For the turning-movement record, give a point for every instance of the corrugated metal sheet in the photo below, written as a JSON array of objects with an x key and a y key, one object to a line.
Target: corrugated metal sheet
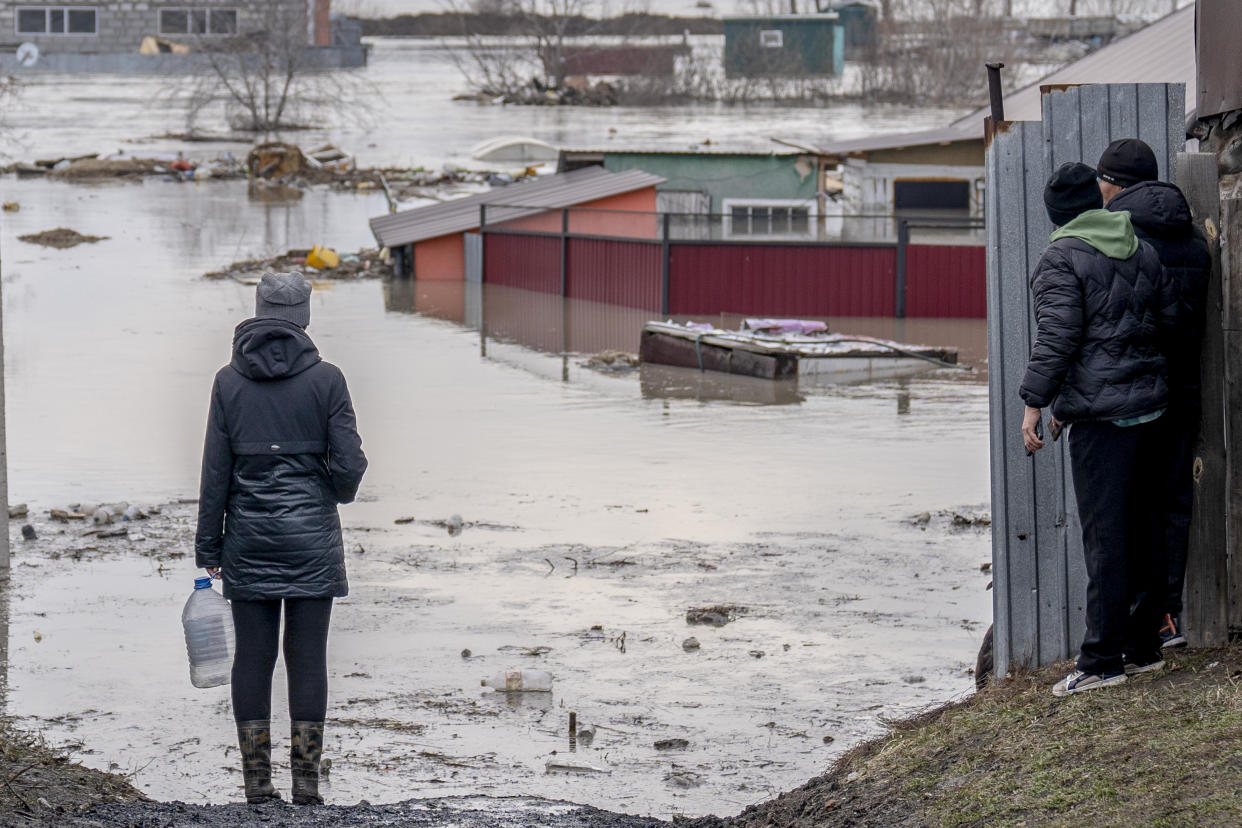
[
  {"x": 793, "y": 280},
  {"x": 528, "y": 262},
  {"x": 523, "y": 199},
  {"x": 1220, "y": 60},
  {"x": 616, "y": 272},
  {"x": 946, "y": 281},
  {"x": 1163, "y": 52}
]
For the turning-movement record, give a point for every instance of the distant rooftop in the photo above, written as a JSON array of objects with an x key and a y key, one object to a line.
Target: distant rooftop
[{"x": 550, "y": 192}]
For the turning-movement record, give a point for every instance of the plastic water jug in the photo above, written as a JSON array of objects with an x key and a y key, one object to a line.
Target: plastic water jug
[
  {"x": 520, "y": 681},
  {"x": 208, "y": 624}
]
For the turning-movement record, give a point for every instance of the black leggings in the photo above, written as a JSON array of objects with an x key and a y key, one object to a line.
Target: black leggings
[{"x": 257, "y": 624}]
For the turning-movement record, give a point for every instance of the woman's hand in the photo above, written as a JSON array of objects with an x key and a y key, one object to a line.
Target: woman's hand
[
  {"x": 213, "y": 571},
  {"x": 1030, "y": 421}
]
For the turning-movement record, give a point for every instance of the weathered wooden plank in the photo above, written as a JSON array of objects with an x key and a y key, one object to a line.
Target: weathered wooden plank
[
  {"x": 1176, "y": 108},
  {"x": 1153, "y": 125},
  {"x": 1206, "y": 616},
  {"x": 1231, "y": 275},
  {"x": 1122, "y": 110},
  {"x": 1096, "y": 123},
  {"x": 1016, "y": 159}
]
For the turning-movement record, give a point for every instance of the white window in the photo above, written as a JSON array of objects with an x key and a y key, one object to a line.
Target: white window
[
  {"x": 776, "y": 219},
  {"x": 198, "y": 21},
  {"x": 771, "y": 38},
  {"x": 56, "y": 20}
]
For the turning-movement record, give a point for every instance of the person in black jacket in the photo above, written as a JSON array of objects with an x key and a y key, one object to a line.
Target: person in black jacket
[
  {"x": 1127, "y": 174},
  {"x": 1102, "y": 303},
  {"x": 282, "y": 451}
]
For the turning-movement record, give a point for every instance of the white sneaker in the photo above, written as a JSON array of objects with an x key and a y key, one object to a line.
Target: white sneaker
[{"x": 1080, "y": 682}]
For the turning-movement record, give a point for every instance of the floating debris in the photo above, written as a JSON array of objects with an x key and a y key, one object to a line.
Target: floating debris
[
  {"x": 715, "y": 616},
  {"x": 61, "y": 238}
]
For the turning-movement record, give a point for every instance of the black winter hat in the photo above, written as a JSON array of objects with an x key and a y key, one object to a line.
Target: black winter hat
[
  {"x": 1071, "y": 190},
  {"x": 1126, "y": 162}
]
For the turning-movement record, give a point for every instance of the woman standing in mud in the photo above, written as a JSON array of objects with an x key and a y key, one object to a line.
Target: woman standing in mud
[{"x": 282, "y": 451}]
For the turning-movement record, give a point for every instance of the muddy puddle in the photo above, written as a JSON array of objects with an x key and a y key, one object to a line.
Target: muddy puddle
[{"x": 597, "y": 508}]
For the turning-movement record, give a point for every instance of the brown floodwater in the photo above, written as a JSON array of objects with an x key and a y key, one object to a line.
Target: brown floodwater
[{"x": 598, "y": 508}]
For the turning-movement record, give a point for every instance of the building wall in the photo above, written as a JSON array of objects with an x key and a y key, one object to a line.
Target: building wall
[
  {"x": 868, "y": 186},
  {"x": 723, "y": 177},
  {"x": 120, "y": 25},
  {"x": 629, "y": 215},
  {"x": 808, "y": 45},
  {"x": 440, "y": 259}
]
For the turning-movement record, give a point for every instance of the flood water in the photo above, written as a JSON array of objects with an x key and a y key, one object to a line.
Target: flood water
[
  {"x": 401, "y": 112},
  {"x": 598, "y": 509}
]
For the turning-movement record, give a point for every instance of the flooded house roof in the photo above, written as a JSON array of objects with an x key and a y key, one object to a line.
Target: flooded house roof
[
  {"x": 551, "y": 192},
  {"x": 1163, "y": 52}
]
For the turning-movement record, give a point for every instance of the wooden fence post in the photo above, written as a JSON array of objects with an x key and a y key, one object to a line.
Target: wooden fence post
[
  {"x": 1206, "y": 592},
  {"x": 4, "y": 479},
  {"x": 1231, "y": 319}
]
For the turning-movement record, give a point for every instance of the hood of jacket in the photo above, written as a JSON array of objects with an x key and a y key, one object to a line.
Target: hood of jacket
[
  {"x": 271, "y": 349},
  {"x": 1108, "y": 232},
  {"x": 1155, "y": 207}
]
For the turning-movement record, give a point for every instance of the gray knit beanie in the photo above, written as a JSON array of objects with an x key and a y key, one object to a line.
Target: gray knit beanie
[{"x": 283, "y": 296}]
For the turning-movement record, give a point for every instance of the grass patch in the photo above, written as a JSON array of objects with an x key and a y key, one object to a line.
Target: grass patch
[{"x": 1164, "y": 749}]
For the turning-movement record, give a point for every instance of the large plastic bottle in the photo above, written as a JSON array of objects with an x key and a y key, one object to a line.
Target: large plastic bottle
[
  {"x": 208, "y": 624},
  {"x": 519, "y": 681}
]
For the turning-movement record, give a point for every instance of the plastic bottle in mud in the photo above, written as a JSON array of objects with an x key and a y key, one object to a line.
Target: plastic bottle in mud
[
  {"x": 208, "y": 624},
  {"x": 520, "y": 681}
]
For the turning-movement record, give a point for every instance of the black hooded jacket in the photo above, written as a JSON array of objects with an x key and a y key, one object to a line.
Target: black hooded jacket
[
  {"x": 1161, "y": 217},
  {"x": 1103, "y": 307},
  {"x": 282, "y": 450}
]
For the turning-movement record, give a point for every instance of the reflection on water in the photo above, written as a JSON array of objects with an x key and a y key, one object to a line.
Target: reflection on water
[{"x": 568, "y": 328}]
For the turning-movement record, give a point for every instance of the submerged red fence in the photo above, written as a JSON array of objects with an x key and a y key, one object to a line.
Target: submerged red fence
[
  {"x": 782, "y": 279},
  {"x": 710, "y": 276},
  {"x": 946, "y": 281}
]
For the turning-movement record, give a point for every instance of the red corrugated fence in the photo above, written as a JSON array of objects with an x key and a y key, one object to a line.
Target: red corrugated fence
[{"x": 782, "y": 279}]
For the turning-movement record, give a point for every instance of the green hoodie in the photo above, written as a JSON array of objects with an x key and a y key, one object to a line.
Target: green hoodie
[{"x": 1108, "y": 232}]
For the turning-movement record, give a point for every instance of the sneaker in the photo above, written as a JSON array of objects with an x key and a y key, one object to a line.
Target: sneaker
[
  {"x": 1171, "y": 634},
  {"x": 1133, "y": 669},
  {"x": 1080, "y": 682}
]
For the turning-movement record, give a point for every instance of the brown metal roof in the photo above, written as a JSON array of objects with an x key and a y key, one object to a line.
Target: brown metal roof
[
  {"x": 551, "y": 192},
  {"x": 1163, "y": 52}
]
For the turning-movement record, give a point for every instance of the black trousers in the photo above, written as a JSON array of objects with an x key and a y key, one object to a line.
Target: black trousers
[
  {"x": 1117, "y": 481},
  {"x": 257, "y": 626},
  {"x": 1181, "y": 431}
]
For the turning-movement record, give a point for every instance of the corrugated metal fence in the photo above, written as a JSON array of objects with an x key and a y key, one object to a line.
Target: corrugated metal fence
[
  {"x": 752, "y": 276},
  {"x": 1039, "y": 576}
]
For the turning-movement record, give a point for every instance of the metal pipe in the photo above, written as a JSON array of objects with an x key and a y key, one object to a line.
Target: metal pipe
[{"x": 994, "y": 91}]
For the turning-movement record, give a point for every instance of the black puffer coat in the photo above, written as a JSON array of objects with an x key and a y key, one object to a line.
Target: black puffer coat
[
  {"x": 282, "y": 451},
  {"x": 1100, "y": 325},
  {"x": 1161, "y": 217}
]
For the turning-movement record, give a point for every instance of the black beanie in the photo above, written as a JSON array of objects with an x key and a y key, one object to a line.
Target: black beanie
[
  {"x": 1126, "y": 162},
  {"x": 1071, "y": 190}
]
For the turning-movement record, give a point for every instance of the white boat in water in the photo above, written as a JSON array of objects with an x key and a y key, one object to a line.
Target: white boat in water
[{"x": 514, "y": 149}]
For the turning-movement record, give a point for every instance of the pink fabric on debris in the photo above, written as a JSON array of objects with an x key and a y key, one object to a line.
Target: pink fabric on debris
[{"x": 800, "y": 326}]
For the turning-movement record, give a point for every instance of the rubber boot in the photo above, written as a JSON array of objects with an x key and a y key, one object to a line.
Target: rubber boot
[
  {"x": 255, "y": 740},
  {"x": 305, "y": 751}
]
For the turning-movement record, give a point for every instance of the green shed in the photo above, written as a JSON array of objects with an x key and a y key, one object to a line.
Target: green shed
[
  {"x": 792, "y": 45},
  {"x": 859, "y": 21}
]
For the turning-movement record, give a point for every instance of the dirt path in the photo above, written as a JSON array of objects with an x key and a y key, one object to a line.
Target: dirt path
[{"x": 458, "y": 812}]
